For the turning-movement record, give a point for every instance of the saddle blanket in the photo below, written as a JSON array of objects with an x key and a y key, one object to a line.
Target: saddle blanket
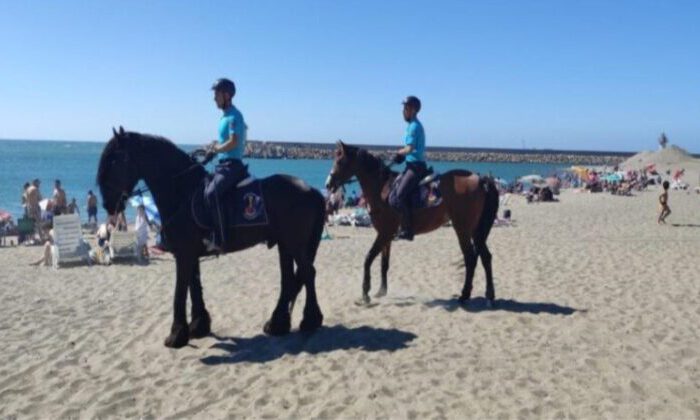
[{"x": 426, "y": 195}]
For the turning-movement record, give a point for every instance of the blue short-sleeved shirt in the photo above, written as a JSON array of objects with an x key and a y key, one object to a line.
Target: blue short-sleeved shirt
[
  {"x": 415, "y": 136},
  {"x": 232, "y": 122}
]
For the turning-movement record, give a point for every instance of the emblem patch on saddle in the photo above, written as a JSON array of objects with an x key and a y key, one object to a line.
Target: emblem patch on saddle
[
  {"x": 245, "y": 206},
  {"x": 252, "y": 204},
  {"x": 426, "y": 195}
]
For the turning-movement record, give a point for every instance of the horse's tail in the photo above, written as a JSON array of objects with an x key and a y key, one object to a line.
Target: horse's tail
[
  {"x": 318, "y": 224},
  {"x": 490, "y": 211}
]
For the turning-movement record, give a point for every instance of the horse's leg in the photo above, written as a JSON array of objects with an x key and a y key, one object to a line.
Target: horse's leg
[
  {"x": 295, "y": 292},
  {"x": 377, "y": 246},
  {"x": 179, "y": 333},
  {"x": 200, "y": 326},
  {"x": 280, "y": 323},
  {"x": 483, "y": 251},
  {"x": 313, "y": 318},
  {"x": 386, "y": 252},
  {"x": 470, "y": 258}
]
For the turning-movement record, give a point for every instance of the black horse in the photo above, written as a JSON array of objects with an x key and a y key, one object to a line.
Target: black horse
[{"x": 295, "y": 214}]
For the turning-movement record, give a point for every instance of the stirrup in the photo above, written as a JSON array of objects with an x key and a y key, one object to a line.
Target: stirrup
[
  {"x": 212, "y": 246},
  {"x": 404, "y": 234}
]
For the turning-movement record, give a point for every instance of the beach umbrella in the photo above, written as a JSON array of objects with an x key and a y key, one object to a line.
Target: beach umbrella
[
  {"x": 149, "y": 204},
  {"x": 5, "y": 216},
  {"x": 531, "y": 179},
  {"x": 501, "y": 182},
  {"x": 580, "y": 171}
]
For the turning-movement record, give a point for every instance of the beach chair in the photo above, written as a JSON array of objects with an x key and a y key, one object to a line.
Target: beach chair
[
  {"x": 503, "y": 200},
  {"x": 503, "y": 204},
  {"x": 123, "y": 245},
  {"x": 68, "y": 244}
]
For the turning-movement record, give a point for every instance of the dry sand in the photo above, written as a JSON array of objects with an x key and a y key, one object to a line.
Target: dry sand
[{"x": 597, "y": 317}]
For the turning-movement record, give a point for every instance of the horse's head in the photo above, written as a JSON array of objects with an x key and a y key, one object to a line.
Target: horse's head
[
  {"x": 117, "y": 172},
  {"x": 344, "y": 166}
]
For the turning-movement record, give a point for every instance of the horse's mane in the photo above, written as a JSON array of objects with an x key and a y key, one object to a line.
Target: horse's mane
[
  {"x": 373, "y": 164},
  {"x": 146, "y": 143}
]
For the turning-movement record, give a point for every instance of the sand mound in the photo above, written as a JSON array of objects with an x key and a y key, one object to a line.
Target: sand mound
[{"x": 671, "y": 155}]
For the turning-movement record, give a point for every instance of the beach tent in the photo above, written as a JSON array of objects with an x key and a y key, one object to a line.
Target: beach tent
[{"x": 149, "y": 204}]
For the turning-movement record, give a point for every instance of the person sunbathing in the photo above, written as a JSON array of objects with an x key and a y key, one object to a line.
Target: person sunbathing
[{"x": 46, "y": 258}]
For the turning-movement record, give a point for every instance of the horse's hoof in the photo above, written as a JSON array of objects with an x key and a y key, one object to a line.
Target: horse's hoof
[
  {"x": 200, "y": 327},
  {"x": 364, "y": 301},
  {"x": 311, "y": 323},
  {"x": 178, "y": 338},
  {"x": 463, "y": 300},
  {"x": 273, "y": 327},
  {"x": 380, "y": 293}
]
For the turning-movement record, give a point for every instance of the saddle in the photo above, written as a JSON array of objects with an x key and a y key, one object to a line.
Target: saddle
[
  {"x": 244, "y": 205},
  {"x": 426, "y": 195}
]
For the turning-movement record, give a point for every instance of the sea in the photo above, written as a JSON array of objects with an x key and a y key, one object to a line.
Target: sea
[{"x": 75, "y": 164}]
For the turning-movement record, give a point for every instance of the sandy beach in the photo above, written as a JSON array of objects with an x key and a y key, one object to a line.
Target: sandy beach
[{"x": 597, "y": 317}]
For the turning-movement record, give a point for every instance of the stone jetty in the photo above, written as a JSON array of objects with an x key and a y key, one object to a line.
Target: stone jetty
[{"x": 284, "y": 150}]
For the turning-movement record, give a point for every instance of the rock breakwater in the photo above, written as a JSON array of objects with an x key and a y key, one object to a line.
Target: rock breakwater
[{"x": 281, "y": 150}]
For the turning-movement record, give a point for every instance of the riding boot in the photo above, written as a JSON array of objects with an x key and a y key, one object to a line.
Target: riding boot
[
  {"x": 217, "y": 243},
  {"x": 406, "y": 231}
]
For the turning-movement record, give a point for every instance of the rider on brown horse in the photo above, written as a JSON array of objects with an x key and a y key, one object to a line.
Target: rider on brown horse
[{"x": 413, "y": 153}]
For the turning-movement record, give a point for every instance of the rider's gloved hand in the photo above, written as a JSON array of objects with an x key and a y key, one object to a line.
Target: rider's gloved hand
[
  {"x": 399, "y": 158},
  {"x": 210, "y": 155}
]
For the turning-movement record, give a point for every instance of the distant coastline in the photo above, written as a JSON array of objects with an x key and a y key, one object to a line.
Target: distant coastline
[{"x": 291, "y": 150}]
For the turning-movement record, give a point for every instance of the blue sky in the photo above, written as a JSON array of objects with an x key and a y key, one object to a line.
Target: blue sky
[{"x": 605, "y": 75}]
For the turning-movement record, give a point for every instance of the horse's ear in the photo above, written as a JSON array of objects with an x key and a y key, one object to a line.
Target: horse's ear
[
  {"x": 341, "y": 145},
  {"x": 121, "y": 130},
  {"x": 114, "y": 131}
]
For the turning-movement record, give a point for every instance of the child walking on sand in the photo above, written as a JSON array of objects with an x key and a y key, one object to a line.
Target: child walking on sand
[{"x": 665, "y": 210}]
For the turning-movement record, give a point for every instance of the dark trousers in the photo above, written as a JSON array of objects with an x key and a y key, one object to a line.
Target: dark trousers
[
  {"x": 92, "y": 214},
  {"x": 410, "y": 179},
  {"x": 227, "y": 174}
]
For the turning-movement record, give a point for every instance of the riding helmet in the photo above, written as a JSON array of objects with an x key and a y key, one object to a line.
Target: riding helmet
[
  {"x": 413, "y": 102},
  {"x": 224, "y": 85}
]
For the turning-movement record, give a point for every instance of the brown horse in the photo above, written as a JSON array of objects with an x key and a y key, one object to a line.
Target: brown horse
[{"x": 469, "y": 201}]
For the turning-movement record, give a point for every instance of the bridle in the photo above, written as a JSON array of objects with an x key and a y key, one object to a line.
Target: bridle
[
  {"x": 383, "y": 168},
  {"x": 124, "y": 196}
]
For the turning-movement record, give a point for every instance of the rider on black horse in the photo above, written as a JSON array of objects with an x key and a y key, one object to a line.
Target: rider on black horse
[
  {"x": 414, "y": 154},
  {"x": 230, "y": 169}
]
